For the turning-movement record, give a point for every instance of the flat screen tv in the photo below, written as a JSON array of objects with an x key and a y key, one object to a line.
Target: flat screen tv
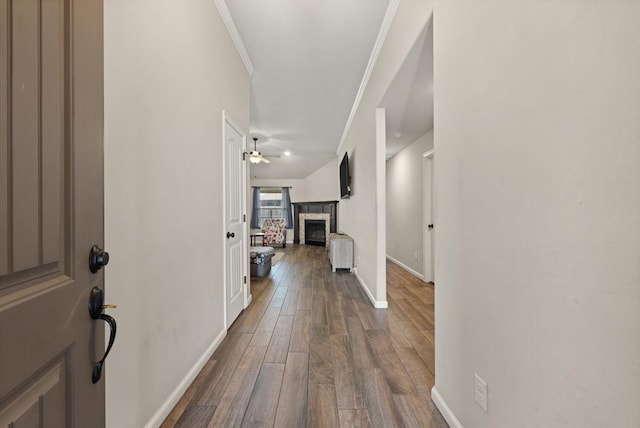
[{"x": 345, "y": 178}]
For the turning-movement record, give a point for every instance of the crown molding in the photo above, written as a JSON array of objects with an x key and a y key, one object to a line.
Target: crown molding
[
  {"x": 377, "y": 47},
  {"x": 223, "y": 10}
]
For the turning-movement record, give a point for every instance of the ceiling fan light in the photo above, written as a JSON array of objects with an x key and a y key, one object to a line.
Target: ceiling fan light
[{"x": 254, "y": 159}]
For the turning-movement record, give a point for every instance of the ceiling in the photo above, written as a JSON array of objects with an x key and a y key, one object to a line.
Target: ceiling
[
  {"x": 309, "y": 58},
  {"x": 409, "y": 99}
]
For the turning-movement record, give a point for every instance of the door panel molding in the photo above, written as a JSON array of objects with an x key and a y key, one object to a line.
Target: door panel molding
[
  {"x": 25, "y": 130},
  {"x": 32, "y": 291},
  {"x": 42, "y": 391},
  {"x": 235, "y": 269},
  {"x": 32, "y": 73},
  {"x": 29, "y": 275}
]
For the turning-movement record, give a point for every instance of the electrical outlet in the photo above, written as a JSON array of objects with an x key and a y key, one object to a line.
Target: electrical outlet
[{"x": 481, "y": 392}]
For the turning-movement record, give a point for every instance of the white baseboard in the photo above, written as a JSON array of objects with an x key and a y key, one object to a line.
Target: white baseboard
[
  {"x": 249, "y": 299},
  {"x": 446, "y": 411},
  {"x": 379, "y": 304},
  {"x": 168, "y": 405},
  {"x": 405, "y": 267}
]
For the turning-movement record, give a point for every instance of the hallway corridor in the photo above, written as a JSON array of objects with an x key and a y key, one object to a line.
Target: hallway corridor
[{"x": 312, "y": 351}]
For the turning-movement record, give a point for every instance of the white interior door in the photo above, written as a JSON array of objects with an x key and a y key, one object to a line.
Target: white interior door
[
  {"x": 428, "y": 228},
  {"x": 234, "y": 174}
]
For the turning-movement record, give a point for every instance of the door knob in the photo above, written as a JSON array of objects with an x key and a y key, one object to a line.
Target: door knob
[
  {"x": 97, "y": 258},
  {"x": 231, "y": 235},
  {"x": 430, "y": 226},
  {"x": 96, "y": 308}
]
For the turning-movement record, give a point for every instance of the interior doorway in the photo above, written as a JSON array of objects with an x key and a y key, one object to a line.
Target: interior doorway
[{"x": 409, "y": 104}]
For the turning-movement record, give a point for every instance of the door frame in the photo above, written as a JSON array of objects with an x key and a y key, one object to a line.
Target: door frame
[
  {"x": 226, "y": 119},
  {"x": 428, "y": 247}
]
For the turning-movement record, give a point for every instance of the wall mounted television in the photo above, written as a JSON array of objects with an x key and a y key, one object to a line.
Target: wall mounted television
[{"x": 345, "y": 178}]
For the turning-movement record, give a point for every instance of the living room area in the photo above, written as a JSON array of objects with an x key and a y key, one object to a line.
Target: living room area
[{"x": 274, "y": 205}]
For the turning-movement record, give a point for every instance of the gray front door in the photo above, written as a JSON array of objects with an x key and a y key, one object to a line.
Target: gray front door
[{"x": 51, "y": 211}]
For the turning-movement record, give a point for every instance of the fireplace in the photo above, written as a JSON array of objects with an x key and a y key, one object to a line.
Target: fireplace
[
  {"x": 302, "y": 211},
  {"x": 314, "y": 232}
]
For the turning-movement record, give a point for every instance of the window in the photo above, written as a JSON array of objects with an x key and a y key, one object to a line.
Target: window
[{"x": 270, "y": 203}]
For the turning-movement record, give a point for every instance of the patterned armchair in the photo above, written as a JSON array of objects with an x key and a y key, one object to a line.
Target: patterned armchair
[{"x": 275, "y": 231}]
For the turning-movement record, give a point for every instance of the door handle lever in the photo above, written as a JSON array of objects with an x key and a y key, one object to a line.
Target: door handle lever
[
  {"x": 231, "y": 235},
  {"x": 96, "y": 308},
  {"x": 97, "y": 366}
]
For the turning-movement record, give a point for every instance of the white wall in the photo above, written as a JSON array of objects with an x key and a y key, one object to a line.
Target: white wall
[
  {"x": 405, "y": 204},
  {"x": 538, "y": 183},
  {"x": 321, "y": 185},
  {"x": 170, "y": 70},
  {"x": 358, "y": 216},
  {"x": 324, "y": 183}
]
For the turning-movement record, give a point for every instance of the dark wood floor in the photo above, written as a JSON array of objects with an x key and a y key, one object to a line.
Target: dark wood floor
[{"x": 312, "y": 351}]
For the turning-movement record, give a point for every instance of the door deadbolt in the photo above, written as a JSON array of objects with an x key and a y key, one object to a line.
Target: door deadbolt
[{"x": 97, "y": 259}]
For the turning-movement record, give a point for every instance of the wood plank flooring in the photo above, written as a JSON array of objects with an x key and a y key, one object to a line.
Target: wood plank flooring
[{"x": 312, "y": 351}]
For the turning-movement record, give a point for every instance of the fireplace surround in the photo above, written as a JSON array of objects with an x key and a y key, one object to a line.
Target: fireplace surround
[
  {"x": 323, "y": 210},
  {"x": 303, "y": 218}
]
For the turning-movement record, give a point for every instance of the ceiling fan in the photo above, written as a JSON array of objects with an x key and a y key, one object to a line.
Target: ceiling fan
[{"x": 255, "y": 156}]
